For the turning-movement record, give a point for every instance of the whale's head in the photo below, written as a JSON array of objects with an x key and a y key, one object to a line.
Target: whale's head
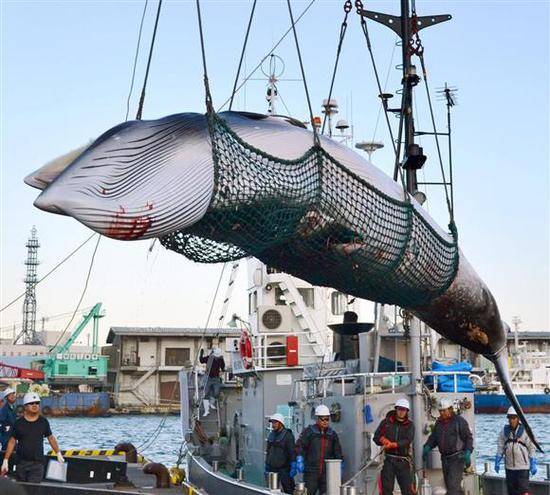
[{"x": 140, "y": 179}]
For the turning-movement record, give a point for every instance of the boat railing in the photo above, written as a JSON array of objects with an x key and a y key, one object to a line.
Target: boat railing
[
  {"x": 269, "y": 349},
  {"x": 368, "y": 383}
]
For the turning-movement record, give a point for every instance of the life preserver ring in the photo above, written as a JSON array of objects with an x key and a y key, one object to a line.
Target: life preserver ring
[
  {"x": 245, "y": 348},
  {"x": 546, "y": 390}
]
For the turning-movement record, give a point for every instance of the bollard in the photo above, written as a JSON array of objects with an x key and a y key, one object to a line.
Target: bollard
[
  {"x": 351, "y": 490},
  {"x": 240, "y": 474},
  {"x": 486, "y": 467},
  {"x": 273, "y": 481},
  {"x": 300, "y": 488},
  {"x": 215, "y": 466},
  {"x": 334, "y": 476},
  {"x": 548, "y": 471}
]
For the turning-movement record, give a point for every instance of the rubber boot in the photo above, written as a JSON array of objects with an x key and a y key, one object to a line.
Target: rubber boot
[
  {"x": 206, "y": 407},
  {"x": 213, "y": 404}
]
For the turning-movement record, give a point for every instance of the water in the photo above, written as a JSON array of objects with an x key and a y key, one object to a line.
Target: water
[{"x": 160, "y": 436}]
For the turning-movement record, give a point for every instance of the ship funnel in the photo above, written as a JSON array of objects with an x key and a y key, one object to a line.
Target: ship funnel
[{"x": 346, "y": 336}]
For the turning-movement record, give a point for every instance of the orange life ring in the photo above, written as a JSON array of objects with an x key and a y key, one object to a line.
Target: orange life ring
[{"x": 245, "y": 347}]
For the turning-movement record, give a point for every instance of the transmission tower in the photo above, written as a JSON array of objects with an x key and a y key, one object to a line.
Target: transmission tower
[{"x": 28, "y": 334}]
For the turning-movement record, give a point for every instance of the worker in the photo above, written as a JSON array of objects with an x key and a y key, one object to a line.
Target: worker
[
  {"x": 28, "y": 434},
  {"x": 280, "y": 456},
  {"x": 518, "y": 452},
  {"x": 452, "y": 435},
  {"x": 215, "y": 365},
  {"x": 395, "y": 434},
  {"x": 7, "y": 417},
  {"x": 317, "y": 443}
]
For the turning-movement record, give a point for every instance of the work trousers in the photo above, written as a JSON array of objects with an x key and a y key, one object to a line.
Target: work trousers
[
  {"x": 30, "y": 471},
  {"x": 399, "y": 468},
  {"x": 453, "y": 471},
  {"x": 316, "y": 483},
  {"x": 213, "y": 387},
  {"x": 517, "y": 481}
]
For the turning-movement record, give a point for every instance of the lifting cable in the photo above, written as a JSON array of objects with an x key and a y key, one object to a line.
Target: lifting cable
[
  {"x": 315, "y": 132},
  {"x": 135, "y": 61},
  {"x": 208, "y": 96},
  {"x": 242, "y": 55},
  {"x": 142, "y": 97},
  {"x": 347, "y": 9},
  {"x": 251, "y": 73},
  {"x": 396, "y": 148}
]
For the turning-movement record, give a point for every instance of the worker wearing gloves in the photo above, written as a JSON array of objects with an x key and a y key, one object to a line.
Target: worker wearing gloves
[
  {"x": 7, "y": 417},
  {"x": 518, "y": 452},
  {"x": 280, "y": 456},
  {"x": 317, "y": 443},
  {"x": 215, "y": 366},
  {"x": 28, "y": 434},
  {"x": 395, "y": 434},
  {"x": 452, "y": 435}
]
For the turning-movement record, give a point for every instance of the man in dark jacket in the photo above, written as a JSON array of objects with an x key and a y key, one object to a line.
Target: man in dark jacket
[
  {"x": 395, "y": 434},
  {"x": 452, "y": 435},
  {"x": 280, "y": 456},
  {"x": 317, "y": 443},
  {"x": 215, "y": 366},
  {"x": 7, "y": 417}
]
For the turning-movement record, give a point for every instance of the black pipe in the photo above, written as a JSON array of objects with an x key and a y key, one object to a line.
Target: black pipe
[
  {"x": 129, "y": 450},
  {"x": 161, "y": 474}
]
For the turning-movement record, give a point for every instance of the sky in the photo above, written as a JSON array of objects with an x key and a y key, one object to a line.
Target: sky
[{"x": 65, "y": 78}]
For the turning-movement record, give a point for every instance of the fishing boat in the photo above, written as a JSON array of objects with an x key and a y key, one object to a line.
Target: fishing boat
[{"x": 286, "y": 361}]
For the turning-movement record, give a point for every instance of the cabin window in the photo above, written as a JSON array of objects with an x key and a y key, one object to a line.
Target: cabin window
[
  {"x": 338, "y": 303},
  {"x": 176, "y": 356},
  {"x": 308, "y": 295}
]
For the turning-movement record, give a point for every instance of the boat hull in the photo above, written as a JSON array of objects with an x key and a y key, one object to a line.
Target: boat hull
[
  {"x": 498, "y": 403},
  {"x": 87, "y": 404}
]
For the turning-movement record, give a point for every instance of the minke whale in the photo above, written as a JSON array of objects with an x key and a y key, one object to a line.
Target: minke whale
[{"x": 160, "y": 178}]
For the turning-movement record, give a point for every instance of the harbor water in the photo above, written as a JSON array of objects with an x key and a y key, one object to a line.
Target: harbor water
[{"x": 158, "y": 438}]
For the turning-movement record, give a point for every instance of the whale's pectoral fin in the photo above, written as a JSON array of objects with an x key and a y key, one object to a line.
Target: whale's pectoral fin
[{"x": 501, "y": 365}]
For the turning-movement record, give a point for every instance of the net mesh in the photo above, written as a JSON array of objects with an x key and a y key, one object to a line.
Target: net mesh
[{"x": 313, "y": 218}]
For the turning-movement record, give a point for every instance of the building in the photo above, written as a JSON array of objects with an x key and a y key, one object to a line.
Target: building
[{"x": 144, "y": 362}]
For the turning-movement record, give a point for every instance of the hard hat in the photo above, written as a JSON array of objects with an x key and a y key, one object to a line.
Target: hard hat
[
  {"x": 216, "y": 351},
  {"x": 277, "y": 417},
  {"x": 30, "y": 397},
  {"x": 445, "y": 404},
  {"x": 511, "y": 412},
  {"x": 322, "y": 410},
  {"x": 7, "y": 392},
  {"x": 403, "y": 403}
]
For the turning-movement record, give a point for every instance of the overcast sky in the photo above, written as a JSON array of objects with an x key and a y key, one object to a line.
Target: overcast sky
[{"x": 66, "y": 69}]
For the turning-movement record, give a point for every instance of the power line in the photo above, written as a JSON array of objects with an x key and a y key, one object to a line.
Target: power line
[{"x": 11, "y": 303}]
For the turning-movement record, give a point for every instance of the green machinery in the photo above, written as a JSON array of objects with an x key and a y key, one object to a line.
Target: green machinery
[{"x": 66, "y": 367}]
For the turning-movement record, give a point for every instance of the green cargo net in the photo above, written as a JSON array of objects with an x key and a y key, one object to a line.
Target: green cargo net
[{"x": 314, "y": 219}]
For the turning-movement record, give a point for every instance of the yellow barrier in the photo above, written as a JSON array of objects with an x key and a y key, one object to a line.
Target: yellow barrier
[{"x": 95, "y": 453}]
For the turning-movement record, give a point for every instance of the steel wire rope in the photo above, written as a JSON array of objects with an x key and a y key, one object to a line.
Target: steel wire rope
[
  {"x": 135, "y": 61},
  {"x": 142, "y": 97},
  {"x": 267, "y": 55},
  {"x": 73, "y": 252},
  {"x": 242, "y": 54},
  {"x": 299, "y": 53},
  {"x": 397, "y": 172},
  {"x": 45, "y": 318},
  {"x": 82, "y": 294},
  {"x": 343, "y": 28}
]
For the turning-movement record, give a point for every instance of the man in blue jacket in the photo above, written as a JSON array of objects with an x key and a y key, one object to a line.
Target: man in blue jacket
[
  {"x": 280, "y": 454},
  {"x": 7, "y": 417}
]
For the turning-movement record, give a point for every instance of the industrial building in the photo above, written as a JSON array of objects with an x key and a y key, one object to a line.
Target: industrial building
[{"x": 144, "y": 362}]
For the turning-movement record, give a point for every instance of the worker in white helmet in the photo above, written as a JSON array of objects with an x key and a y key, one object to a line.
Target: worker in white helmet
[
  {"x": 280, "y": 455},
  {"x": 28, "y": 434},
  {"x": 7, "y": 416},
  {"x": 396, "y": 434},
  {"x": 518, "y": 452},
  {"x": 215, "y": 366},
  {"x": 452, "y": 435},
  {"x": 317, "y": 443}
]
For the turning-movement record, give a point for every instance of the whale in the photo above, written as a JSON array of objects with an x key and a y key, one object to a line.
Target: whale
[{"x": 163, "y": 179}]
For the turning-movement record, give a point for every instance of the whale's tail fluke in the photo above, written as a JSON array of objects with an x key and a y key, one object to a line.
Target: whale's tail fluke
[{"x": 501, "y": 366}]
